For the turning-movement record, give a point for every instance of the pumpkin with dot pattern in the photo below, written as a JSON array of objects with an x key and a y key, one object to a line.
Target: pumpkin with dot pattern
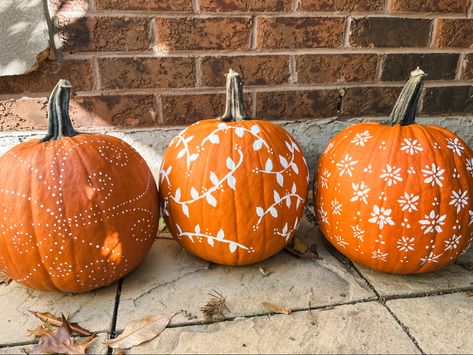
[{"x": 77, "y": 211}]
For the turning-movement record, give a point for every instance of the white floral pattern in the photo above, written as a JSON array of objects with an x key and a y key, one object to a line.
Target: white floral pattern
[
  {"x": 433, "y": 175},
  {"x": 381, "y": 216},
  {"x": 453, "y": 242},
  {"x": 379, "y": 255},
  {"x": 459, "y": 199},
  {"x": 455, "y": 145},
  {"x": 411, "y": 146},
  {"x": 391, "y": 174},
  {"x": 405, "y": 244},
  {"x": 345, "y": 166},
  {"x": 360, "y": 192},
  {"x": 409, "y": 202},
  {"x": 361, "y": 138},
  {"x": 433, "y": 222}
]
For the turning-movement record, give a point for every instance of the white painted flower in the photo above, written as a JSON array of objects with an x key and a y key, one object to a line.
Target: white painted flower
[
  {"x": 346, "y": 165},
  {"x": 323, "y": 215},
  {"x": 379, "y": 255},
  {"x": 357, "y": 232},
  {"x": 469, "y": 165},
  {"x": 324, "y": 178},
  {"x": 361, "y": 138},
  {"x": 455, "y": 146},
  {"x": 431, "y": 258},
  {"x": 411, "y": 146},
  {"x": 340, "y": 241},
  {"x": 391, "y": 174},
  {"x": 433, "y": 222},
  {"x": 409, "y": 202},
  {"x": 405, "y": 244},
  {"x": 336, "y": 207},
  {"x": 328, "y": 148},
  {"x": 381, "y": 216},
  {"x": 411, "y": 170},
  {"x": 433, "y": 175},
  {"x": 360, "y": 192},
  {"x": 453, "y": 242},
  {"x": 459, "y": 199}
]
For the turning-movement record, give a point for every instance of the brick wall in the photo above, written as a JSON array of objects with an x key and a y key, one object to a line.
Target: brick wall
[{"x": 147, "y": 63}]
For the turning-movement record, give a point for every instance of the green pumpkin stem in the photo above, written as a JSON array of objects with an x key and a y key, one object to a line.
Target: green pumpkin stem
[
  {"x": 234, "y": 108},
  {"x": 59, "y": 122},
  {"x": 404, "y": 111}
]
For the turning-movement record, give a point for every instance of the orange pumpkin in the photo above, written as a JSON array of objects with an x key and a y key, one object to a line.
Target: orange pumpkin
[
  {"x": 233, "y": 189},
  {"x": 397, "y": 197},
  {"x": 77, "y": 211}
]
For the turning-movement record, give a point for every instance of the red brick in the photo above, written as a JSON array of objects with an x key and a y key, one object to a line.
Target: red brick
[
  {"x": 255, "y": 70},
  {"x": 203, "y": 33},
  {"x": 369, "y": 101},
  {"x": 436, "y": 6},
  {"x": 467, "y": 73},
  {"x": 448, "y": 100},
  {"x": 300, "y": 32},
  {"x": 390, "y": 32},
  {"x": 292, "y": 105},
  {"x": 438, "y": 66},
  {"x": 342, "y": 5},
  {"x": 90, "y": 111},
  {"x": 186, "y": 109},
  {"x": 328, "y": 68},
  {"x": 245, "y": 5},
  {"x": 155, "y": 5},
  {"x": 88, "y": 34},
  {"x": 454, "y": 33},
  {"x": 68, "y": 5},
  {"x": 43, "y": 79},
  {"x": 139, "y": 72}
]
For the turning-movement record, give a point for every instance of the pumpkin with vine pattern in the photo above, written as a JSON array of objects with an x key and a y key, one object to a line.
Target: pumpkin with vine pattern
[
  {"x": 78, "y": 211},
  {"x": 397, "y": 197},
  {"x": 233, "y": 189}
]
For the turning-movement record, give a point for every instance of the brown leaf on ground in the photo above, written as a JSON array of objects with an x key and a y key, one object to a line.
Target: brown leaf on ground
[
  {"x": 4, "y": 279},
  {"x": 60, "y": 342},
  {"x": 264, "y": 272},
  {"x": 140, "y": 331},
  {"x": 215, "y": 307},
  {"x": 49, "y": 318},
  {"x": 275, "y": 308},
  {"x": 40, "y": 331},
  {"x": 469, "y": 293},
  {"x": 302, "y": 250}
]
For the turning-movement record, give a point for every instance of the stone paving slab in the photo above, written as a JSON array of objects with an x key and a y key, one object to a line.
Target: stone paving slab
[
  {"x": 466, "y": 258},
  {"x": 172, "y": 279},
  {"x": 450, "y": 278},
  {"x": 92, "y": 310},
  {"x": 360, "y": 328},
  {"x": 440, "y": 324}
]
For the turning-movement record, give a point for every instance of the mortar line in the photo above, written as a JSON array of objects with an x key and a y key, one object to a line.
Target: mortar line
[
  {"x": 96, "y": 75},
  {"x": 433, "y": 32},
  {"x": 460, "y": 66},
  {"x": 254, "y": 32},
  {"x": 469, "y": 10},
  {"x": 380, "y": 67},
  {"x": 295, "y": 5},
  {"x": 293, "y": 77},
  {"x": 198, "y": 72},
  {"x": 113, "y": 324},
  {"x": 196, "y": 6},
  {"x": 347, "y": 32}
]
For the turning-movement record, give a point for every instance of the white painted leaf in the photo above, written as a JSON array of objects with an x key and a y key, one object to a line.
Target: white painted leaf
[
  {"x": 230, "y": 163},
  {"x": 210, "y": 241},
  {"x": 280, "y": 179},
  {"x": 213, "y": 178},
  {"x": 233, "y": 247},
  {"x": 295, "y": 168},
  {"x": 288, "y": 202},
  {"x": 211, "y": 200},
  {"x": 188, "y": 139},
  {"x": 257, "y": 144},
  {"x": 181, "y": 153},
  {"x": 295, "y": 146},
  {"x": 269, "y": 165},
  {"x": 197, "y": 229},
  {"x": 294, "y": 188},
  {"x": 288, "y": 146},
  {"x": 285, "y": 228},
  {"x": 168, "y": 170},
  {"x": 231, "y": 181},
  {"x": 222, "y": 125},
  {"x": 298, "y": 202},
  {"x": 255, "y": 129},
  {"x": 194, "y": 193},
  {"x": 191, "y": 238},
  {"x": 239, "y": 132},
  {"x": 273, "y": 211},
  {"x": 193, "y": 157},
  {"x": 220, "y": 234},
  {"x": 283, "y": 161},
  {"x": 213, "y": 138},
  {"x": 259, "y": 211},
  {"x": 178, "y": 228},
  {"x": 177, "y": 196},
  {"x": 277, "y": 198},
  {"x": 185, "y": 209}
]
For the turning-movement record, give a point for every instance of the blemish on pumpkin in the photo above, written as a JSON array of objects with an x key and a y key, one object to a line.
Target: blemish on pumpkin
[{"x": 112, "y": 248}]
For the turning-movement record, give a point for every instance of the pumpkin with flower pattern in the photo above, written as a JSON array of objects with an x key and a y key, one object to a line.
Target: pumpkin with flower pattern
[
  {"x": 233, "y": 189},
  {"x": 397, "y": 197}
]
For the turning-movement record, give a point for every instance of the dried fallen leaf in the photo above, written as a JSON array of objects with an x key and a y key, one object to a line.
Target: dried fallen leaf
[
  {"x": 469, "y": 293},
  {"x": 302, "y": 250},
  {"x": 4, "y": 279},
  {"x": 275, "y": 308},
  {"x": 49, "y": 318},
  {"x": 40, "y": 331},
  {"x": 264, "y": 272},
  {"x": 300, "y": 246},
  {"x": 215, "y": 307},
  {"x": 140, "y": 331},
  {"x": 60, "y": 342},
  {"x": 162, "y": 225}
]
